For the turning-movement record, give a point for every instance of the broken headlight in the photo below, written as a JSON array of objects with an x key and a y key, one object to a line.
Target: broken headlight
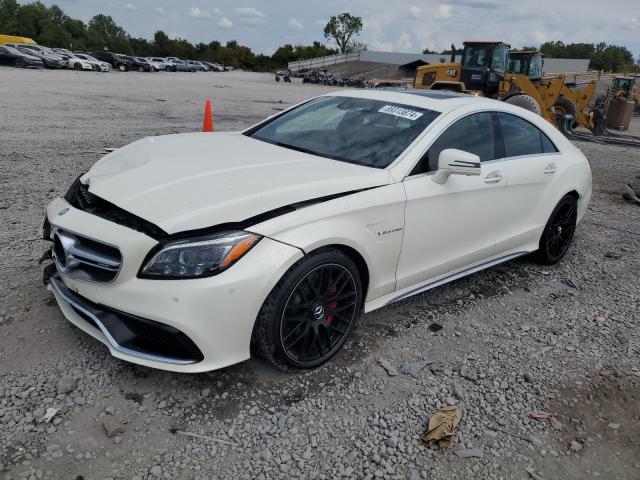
[{"x": 198, "y": 257}]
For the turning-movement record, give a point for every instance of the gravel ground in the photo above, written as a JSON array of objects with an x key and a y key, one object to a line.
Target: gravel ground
[{"x": 516, "y": 339}]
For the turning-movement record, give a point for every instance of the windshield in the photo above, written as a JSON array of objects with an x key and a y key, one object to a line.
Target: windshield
[
  {"x": 499, "y": 58},
  {"x": 356, "y": 130},
  {"x": 28, "y": 51},
  {"x": 476, "y": 56}
]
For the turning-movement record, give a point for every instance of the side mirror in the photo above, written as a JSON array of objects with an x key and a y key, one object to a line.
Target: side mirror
[{"x": 456, "y": 162}]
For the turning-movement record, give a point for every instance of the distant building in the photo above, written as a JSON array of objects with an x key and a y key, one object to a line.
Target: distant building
[{"x": 408, "y": 62}]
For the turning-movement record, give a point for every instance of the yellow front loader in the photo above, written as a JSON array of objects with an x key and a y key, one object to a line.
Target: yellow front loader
[{"x": 492, "y": 69}]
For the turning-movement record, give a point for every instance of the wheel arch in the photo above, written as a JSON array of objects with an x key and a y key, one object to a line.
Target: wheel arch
[
  {"x": 356, "y": 257},
  {"x": 573, "y": 193}
]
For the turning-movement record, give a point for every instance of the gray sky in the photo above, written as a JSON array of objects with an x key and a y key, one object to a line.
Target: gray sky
[{"x": 398, "y": 25}]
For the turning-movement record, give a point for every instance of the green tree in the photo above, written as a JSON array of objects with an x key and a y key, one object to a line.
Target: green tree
[
  {"x": 110, "y": 35},
  {"x": 31, "y": 19},
  {"x": 8, "y": 17},
  {"x": 342, "y": 29},
  {"x": 613, "y": 58},
  {"x": 161, "y": 44}
]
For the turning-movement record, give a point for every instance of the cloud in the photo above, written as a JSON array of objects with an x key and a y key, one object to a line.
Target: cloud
[
  {"x": 296, "y": 24},
  {"x": 130, "y": 6},
  {"x": 484, "y": 4},
  {"x": 415, "y": 12},
  {"x": 224, "y": 22},
  {"x": 253, "y": 22},
  {"x": 382, "y": 46},
  {"x": 196, "y": 12},
  {"x": 404, "y": 42},
  {"x": 443, "y": 10},
  {"x": 159, "y": 10},
  {"x": 250, "y": 12}
]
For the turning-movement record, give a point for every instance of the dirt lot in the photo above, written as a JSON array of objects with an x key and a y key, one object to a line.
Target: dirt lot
[{"x": 519, "y": 338}]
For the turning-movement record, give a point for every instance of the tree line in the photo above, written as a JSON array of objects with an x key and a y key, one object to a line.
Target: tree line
[
  {"x": 50, "y": 26},
  {"x": 610, "y": 58}
]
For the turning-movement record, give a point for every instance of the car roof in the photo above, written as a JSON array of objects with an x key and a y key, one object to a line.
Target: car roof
[{"x": 436, "y": 100}]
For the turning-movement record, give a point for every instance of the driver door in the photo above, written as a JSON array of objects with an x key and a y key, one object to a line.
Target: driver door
[{"x": 450, "y": 226}]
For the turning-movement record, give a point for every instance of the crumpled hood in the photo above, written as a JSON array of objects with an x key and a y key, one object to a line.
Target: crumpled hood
[{"x": 197, "y": 180}]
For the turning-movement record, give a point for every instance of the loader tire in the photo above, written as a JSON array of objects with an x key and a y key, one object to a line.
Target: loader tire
[
  {"x": 562, "y": 107},
  {"x": 525, "y": 101}
]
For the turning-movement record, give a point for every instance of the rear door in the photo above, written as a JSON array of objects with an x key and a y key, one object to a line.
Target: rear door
[{"x": 530, "y": 162}]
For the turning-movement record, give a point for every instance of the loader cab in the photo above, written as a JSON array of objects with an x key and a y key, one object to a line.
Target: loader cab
[
  {"x": 483, "y": 65},
  {"x": 526, "y": 62},
  {"x": 623, "y": 86}
]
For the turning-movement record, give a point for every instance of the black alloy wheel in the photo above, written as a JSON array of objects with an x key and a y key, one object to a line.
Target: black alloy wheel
[
  {"x": 559, "y": 231},
  {"x": 20, "y": 63},
  {"x": 77, "y": 66},
  {"x": 311, "y": 312},
  {"x": 318, "y": 314}
]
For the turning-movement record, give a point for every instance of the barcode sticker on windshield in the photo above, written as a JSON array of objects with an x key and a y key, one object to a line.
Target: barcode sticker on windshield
[{"x": 400, "y": 112}]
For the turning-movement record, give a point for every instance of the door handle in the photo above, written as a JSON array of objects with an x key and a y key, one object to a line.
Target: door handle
[
  {"x": 549, "y": 169},
  {"x": 494, "y": 177}
]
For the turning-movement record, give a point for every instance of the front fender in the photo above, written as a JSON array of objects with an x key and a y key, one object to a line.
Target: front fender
[{"x": 371, "y": 222}]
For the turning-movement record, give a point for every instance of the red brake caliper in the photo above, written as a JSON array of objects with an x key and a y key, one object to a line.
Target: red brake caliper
[{"x": 332, "y": 306}]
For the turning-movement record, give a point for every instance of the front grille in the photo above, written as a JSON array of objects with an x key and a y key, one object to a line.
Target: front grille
[
  {"x": 81, "y": 198},
  {"x": 85, "y": 259}
]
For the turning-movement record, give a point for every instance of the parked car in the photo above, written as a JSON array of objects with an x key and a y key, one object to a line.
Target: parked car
[
  {"x": 215, "y": 67},
  {"x": 13, "y": 56},
  {"x": 182, "y": 252},
  {"x": 98, "y": 66},
  {"x": 158, "y": 63},
  {"x": 50, "y": 60},
  {"x": 196, "y": 66},
  {"x": 143, "y": 65},
  {"x": 116, "y": 61},
  {"x": 135, "y": 64},
  {"x": 74, "y": 62},
  {"x": 178, "y": 65}
]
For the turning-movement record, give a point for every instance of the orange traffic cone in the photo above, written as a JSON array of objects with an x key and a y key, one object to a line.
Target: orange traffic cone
[{"x": 207, "y": 124}]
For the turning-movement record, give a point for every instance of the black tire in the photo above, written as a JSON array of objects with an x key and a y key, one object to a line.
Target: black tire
[
  {"x": 20, "y": 63},
  {"x": 302, "y": 311},
  {"x": 525, "y": 101},
  {"x": 122, "y": 67},
  {"x": 562, "y": 107},
  {"x": 558, "y": 232},
  {"x": 193, "y": 70},
  {"x": 77, "y": 66},
  {"x": 141, "y": 69}
]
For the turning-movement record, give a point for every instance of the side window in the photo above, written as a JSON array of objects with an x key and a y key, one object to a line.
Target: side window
[
  {"x": 547, "y": 145},
  {"x": 473, "y": 134},
  {"x": 522, "y": 138}
]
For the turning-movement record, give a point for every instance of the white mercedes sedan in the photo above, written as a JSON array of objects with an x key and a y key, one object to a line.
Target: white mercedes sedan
[{"x": 190, "y": 252}]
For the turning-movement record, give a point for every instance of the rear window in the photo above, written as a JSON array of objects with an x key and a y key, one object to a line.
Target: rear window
[
  {"x": 523, "y": 138},
  {"x": 363, "y": 131}
]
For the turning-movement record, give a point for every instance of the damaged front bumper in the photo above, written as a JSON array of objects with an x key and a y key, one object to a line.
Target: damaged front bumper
[
  {"x": 124, "y": 333},
  {"x": 186, "y": 325}
]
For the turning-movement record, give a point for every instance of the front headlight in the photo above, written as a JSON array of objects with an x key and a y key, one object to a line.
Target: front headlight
[{"x": 198, "y": 257}]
